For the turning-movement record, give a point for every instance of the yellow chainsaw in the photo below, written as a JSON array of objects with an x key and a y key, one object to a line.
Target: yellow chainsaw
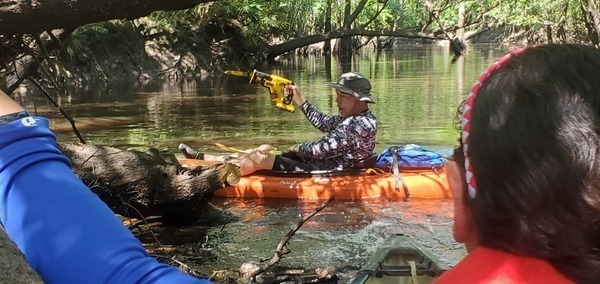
[{"x": 274, "y": 83}]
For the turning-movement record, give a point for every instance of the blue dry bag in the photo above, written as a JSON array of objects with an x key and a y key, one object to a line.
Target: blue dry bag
[{"x": 410, "y": 156}]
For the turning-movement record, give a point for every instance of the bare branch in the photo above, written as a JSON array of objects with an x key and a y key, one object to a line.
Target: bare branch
[
  {"x": 279, "y": 252},
  {"x": 357, "y": 11},
  {"x": 377, "y": 14},
  {"x": 62, "y": 111}
]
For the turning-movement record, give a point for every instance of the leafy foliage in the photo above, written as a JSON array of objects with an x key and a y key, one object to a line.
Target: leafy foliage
[
  {"x": 245, "y": 28},
  {"x": 263, "y": 21}
]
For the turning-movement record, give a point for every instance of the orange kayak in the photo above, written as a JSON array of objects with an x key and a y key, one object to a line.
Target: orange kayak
[{"x": 353, "y": 184}]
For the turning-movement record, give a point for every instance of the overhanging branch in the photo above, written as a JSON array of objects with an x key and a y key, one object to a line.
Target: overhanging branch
[
  {"x": 279, "y": 49},
  {"x": 24, "y": 17}
]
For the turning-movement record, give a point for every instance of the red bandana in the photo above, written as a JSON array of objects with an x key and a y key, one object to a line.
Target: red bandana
[{"x": 466, "y": 119}]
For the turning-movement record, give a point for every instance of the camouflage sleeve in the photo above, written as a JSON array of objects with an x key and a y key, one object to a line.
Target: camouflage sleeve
[
  {"x": 345, "y": 138},
  {"x": 321, "y": 121}
]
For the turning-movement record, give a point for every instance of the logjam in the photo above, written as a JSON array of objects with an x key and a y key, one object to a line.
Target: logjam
[{"x": 134, "y": 183}]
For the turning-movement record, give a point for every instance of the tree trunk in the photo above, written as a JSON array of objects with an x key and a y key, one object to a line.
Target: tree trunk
[
  {"x": 460, "y": 32},
  {"x": 23, "y": 17},
  {"x": 591, "y": 20},
  {"x": 592, "y": 8},
  {"x": 327, "y": 46},
  {"x": 12, "y": 263},
  {"x": 549, "y": 34},
  {"x": 152, "y": 185},
  {"x": 561, "y": 32},
  {"x": 345, "y": 51}
]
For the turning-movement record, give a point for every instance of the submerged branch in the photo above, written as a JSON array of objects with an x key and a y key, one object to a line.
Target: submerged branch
[{"x": 280, "y": 251}]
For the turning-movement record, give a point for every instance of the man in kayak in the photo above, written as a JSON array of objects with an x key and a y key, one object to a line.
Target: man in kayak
[
  {"x": 349, "y": 136},
  {"x": 67, "y": 234},
  {"x": 526, "y": 176}
]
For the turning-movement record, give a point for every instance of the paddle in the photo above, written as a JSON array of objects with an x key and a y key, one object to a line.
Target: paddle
[
  {"x": 236, "y": 150},
  {"x": 231, "y": 149}
]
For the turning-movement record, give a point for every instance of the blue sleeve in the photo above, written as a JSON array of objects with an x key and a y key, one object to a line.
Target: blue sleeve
[{"x": 68, "y": 235}]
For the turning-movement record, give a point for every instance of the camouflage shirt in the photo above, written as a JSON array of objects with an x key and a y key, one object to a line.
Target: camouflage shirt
[{"x": 348, "y": 140}]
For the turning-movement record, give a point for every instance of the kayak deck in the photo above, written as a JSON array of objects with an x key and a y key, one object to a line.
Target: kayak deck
[{"x": 400, "y": 260}]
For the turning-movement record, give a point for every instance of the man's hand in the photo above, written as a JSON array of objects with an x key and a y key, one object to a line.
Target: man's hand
[
  {"x": 297, "y": 96},
  {"x": 293, "y": 149}
]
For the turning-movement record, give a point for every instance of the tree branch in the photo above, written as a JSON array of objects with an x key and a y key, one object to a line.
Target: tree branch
[
  {"x": 377, "y": 13},
  {"x": 279, "y": 49},
  {"x": 23, "y": 16},
  {"x": 357, "y": 11},
  {"x": 62, "y": 111}
]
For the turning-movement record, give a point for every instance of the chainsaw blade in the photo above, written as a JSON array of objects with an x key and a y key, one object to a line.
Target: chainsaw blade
[{"x": 238, "y": 73}]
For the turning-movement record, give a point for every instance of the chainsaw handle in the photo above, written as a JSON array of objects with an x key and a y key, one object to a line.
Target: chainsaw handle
[{"x": 288, "y": 94}]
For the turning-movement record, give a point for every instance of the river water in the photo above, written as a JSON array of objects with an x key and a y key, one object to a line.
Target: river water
[{"x": 417, "y": 89}]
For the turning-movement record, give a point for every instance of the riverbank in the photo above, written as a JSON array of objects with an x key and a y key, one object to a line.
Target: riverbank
[
  {"x": 119, "y": 52},
  {"x": 114, "y": 52}
]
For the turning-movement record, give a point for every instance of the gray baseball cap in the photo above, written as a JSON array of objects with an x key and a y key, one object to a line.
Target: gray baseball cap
[{"x": 355, "y": 84}]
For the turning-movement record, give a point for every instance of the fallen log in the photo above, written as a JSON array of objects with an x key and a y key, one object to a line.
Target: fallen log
[
  {"x": 124, "y": 180},
  {"x": 134, "y": 183},
  {"x": 12, "y": 263}
]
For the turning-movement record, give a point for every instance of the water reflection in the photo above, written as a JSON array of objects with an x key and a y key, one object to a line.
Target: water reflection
[{"x": 417, "y": 88}]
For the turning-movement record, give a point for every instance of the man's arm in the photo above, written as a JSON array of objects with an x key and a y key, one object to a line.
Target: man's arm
[{"x": 320, "y": 120}]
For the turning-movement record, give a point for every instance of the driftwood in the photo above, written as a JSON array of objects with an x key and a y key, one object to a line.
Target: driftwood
[{"x": 134, "y": 183}]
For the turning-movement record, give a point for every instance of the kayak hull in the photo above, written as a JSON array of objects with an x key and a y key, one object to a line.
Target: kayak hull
[
  {"x": 356, "y": 186},
  {"x": 365, "y": 184}
]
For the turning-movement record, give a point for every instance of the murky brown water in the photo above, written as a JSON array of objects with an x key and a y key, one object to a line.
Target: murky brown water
[{"x": 417, "y": 89}]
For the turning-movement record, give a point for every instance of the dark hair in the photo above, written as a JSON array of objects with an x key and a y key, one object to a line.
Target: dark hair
[{"x": 535, "y": 151}]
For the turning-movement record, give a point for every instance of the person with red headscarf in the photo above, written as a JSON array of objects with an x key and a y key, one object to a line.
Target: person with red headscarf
[{"x": 526, "y": 176}]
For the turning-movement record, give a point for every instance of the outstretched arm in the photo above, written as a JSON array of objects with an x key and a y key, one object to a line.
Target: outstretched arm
[
  {"x": 68, "y": 235},
  {"x": 8, "y": 106},
  {"x": 320, "y": 120}
]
